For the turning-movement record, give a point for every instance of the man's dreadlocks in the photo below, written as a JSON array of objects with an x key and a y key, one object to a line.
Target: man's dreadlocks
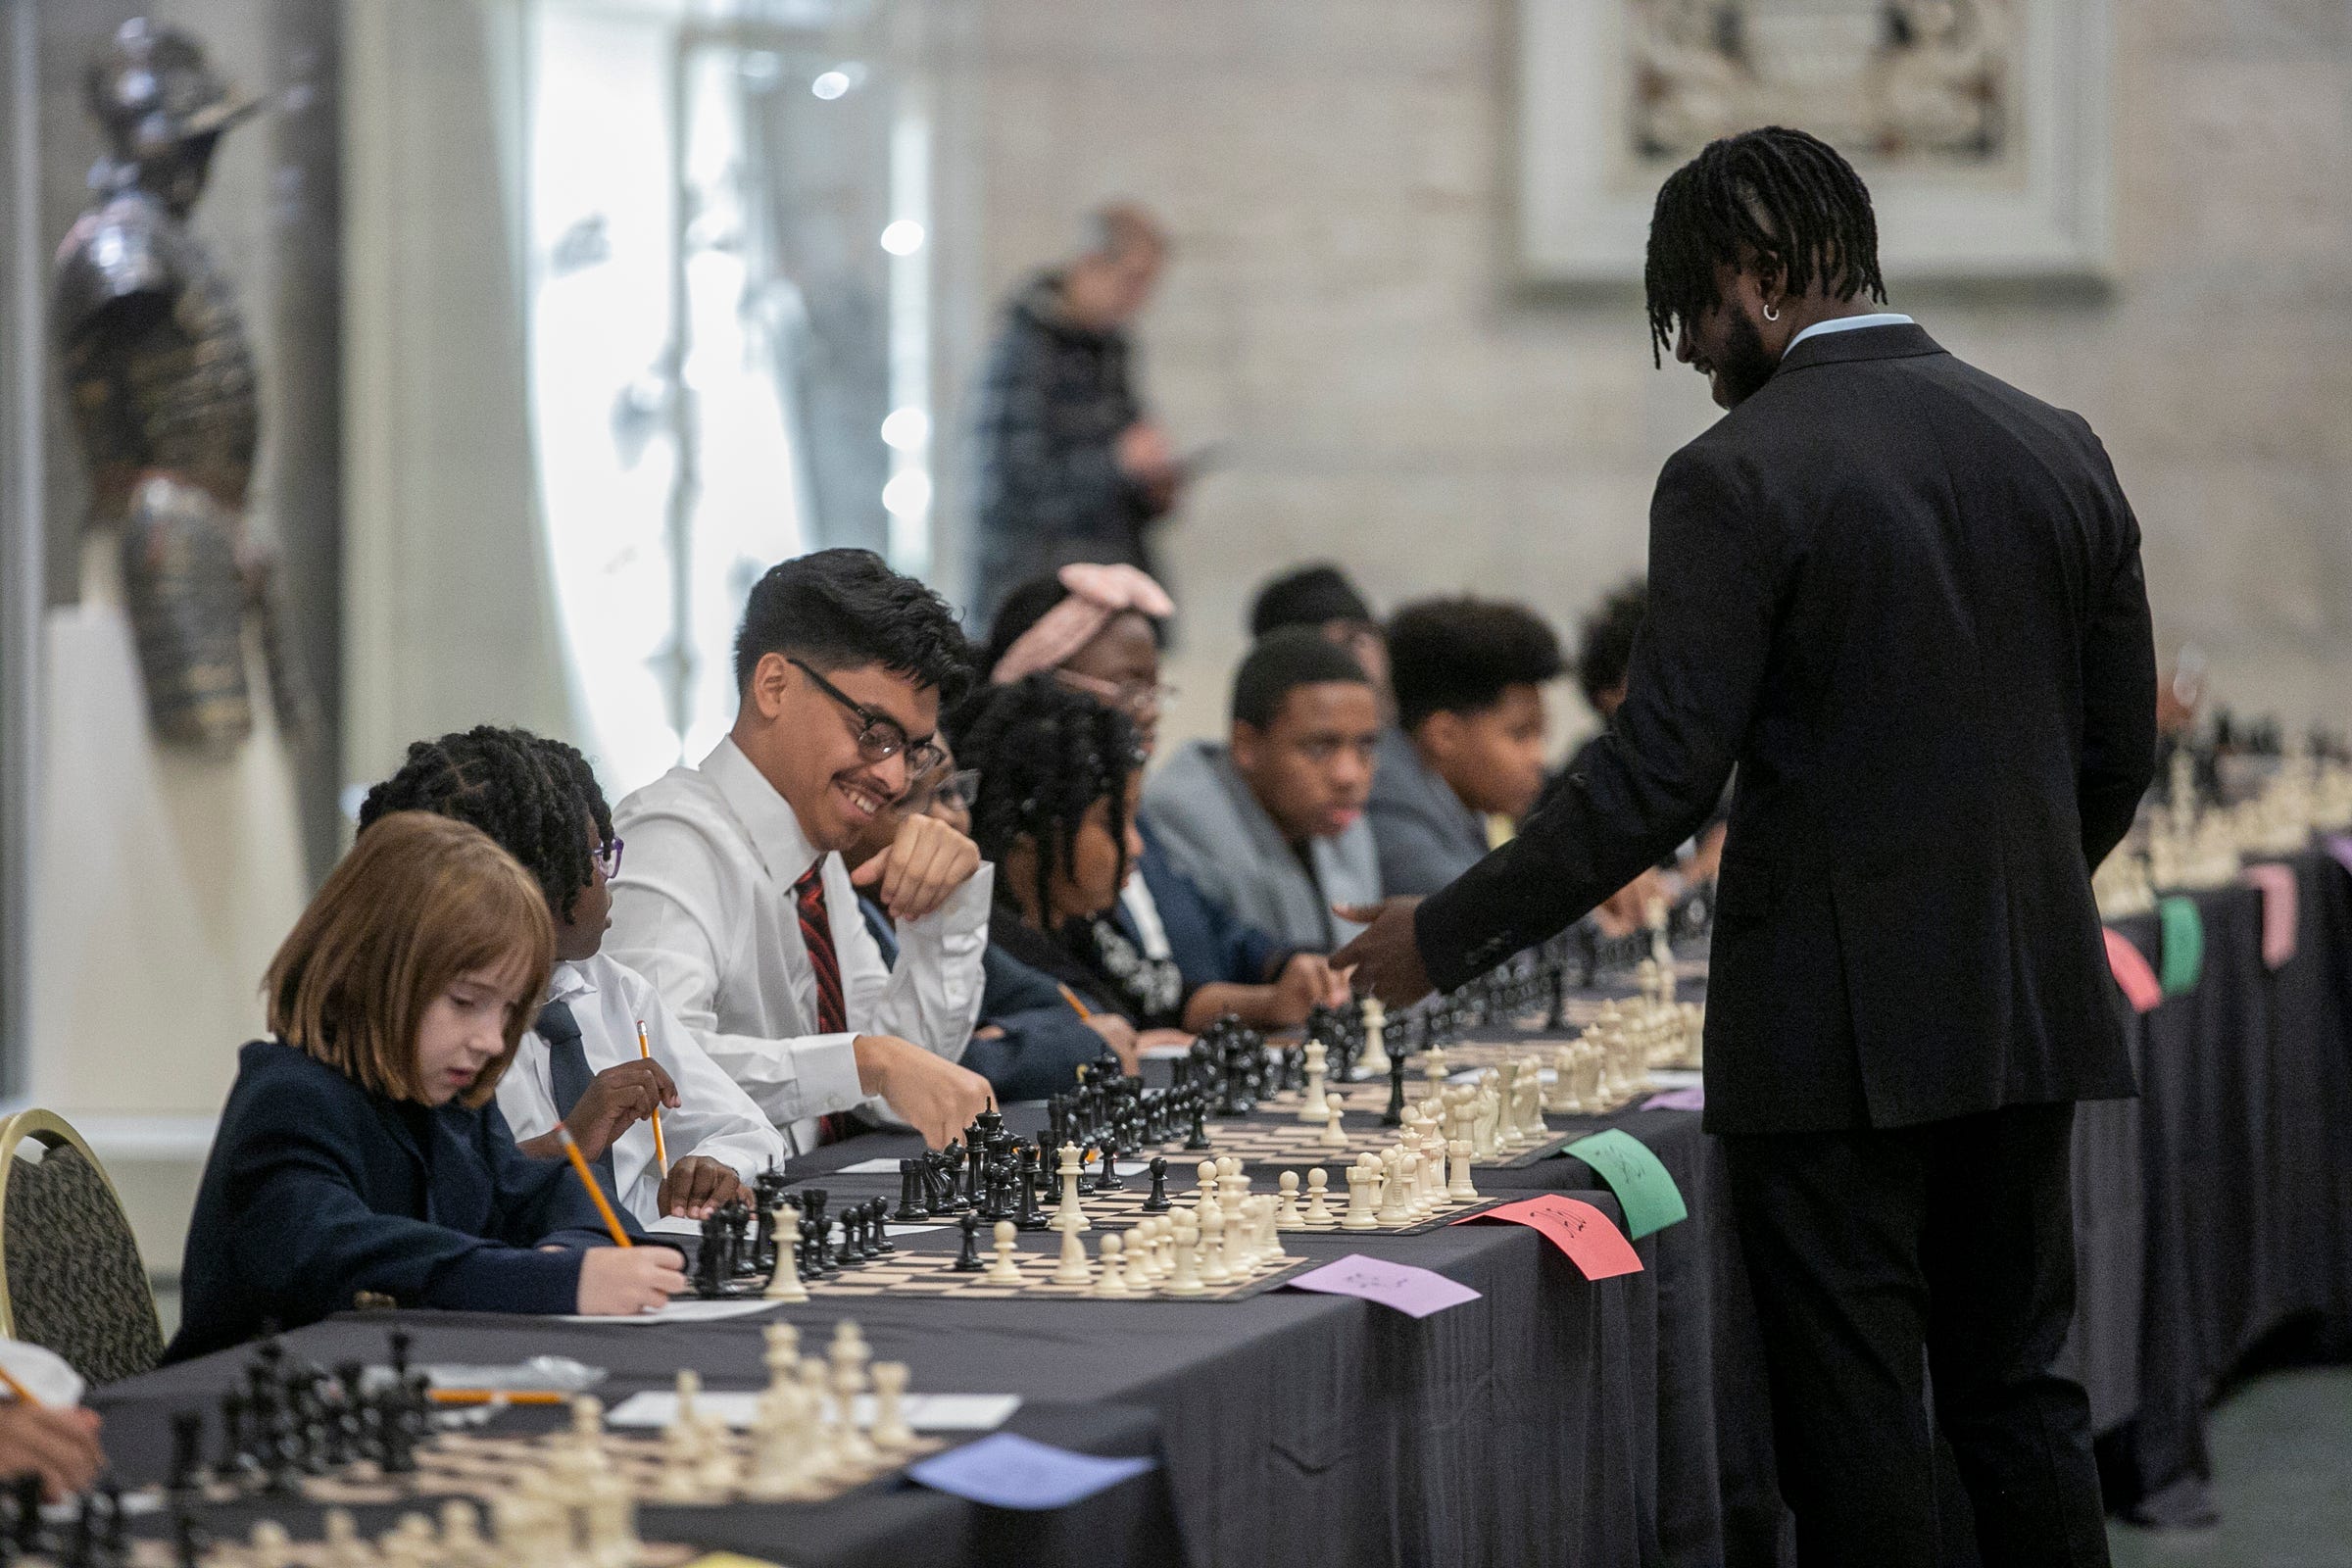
[
  {"x": 533, "y": 796},
  {"x": 1784, "y": 198},
  {"x": 1046, "y": 755}
]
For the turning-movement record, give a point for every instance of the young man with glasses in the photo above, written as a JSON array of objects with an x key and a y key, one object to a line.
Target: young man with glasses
[{"x": 737, "y": 904}]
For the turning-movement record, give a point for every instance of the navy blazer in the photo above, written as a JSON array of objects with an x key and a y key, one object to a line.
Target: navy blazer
[{"x": 318, "y": 1190}]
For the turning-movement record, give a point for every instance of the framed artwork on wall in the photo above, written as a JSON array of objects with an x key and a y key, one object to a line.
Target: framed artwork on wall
[{"x": 1980, "y": 126}]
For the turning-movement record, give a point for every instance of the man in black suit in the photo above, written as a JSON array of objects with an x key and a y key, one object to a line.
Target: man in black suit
[{"x": 1906, "y": 599}]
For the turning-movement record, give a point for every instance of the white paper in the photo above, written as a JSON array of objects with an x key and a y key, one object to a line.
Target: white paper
[
  {"x": 910, "y": 1229},
  {"x": 673, "y": 1225},
  {"x": 1675, "y": 1078},
  {"x": 1471, "y": 1075},
  {"x": 685, "y": 1312},
  {"x": 871, "y": 1167},
  {"x": 925, "y": 1412}
]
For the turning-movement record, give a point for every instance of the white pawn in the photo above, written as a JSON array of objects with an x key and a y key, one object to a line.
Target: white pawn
[
  {"x": 1074, "y": 1268},
  {"x": 1288, "y": 1217},
  {"x": 1270, "y": 1253},
  {"x": 1335, "y": 1134},
  {"x": 1185, "y": 1280},
  {"x": 1005, "y": 1270},
  {"x": 891, "y": 1434},
  {"x": 462, "y": 1539},
  {"x": 1142, "y": 1254},
  {"x": 784, "y": 1285},
  {"x": 1319, "y": 1216},
  {"x": 272, "y": 1548},
  {"x": 1115, "y": 1273},
  {"x": 1506, "y": 1131}
]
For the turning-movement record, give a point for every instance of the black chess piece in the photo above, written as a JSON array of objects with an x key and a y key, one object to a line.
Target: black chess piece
[
  {"x": 1028, "y": 1214},
  {"x": 967, "y": 1257},
  {"x": 1197, "y": 1137},
  {"x": 31, "y": 1531},
  {"x": 1157, "y": 1203},
  {"x": 879, "y": 1227},
  {"x": 1110, "y": 1181},
  {"x": 187, "y": 1452},
  {"x": 1394, "y": 1115},
  {"x": 913, "y": 1203},
  {"x": 188, "y": 1541}
]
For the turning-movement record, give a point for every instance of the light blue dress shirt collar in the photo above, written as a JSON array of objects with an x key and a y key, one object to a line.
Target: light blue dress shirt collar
[{"x": 1850, "y": 324}]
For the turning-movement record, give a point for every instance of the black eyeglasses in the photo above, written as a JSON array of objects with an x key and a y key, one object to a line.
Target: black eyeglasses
[{"x": 880, "y": 737}]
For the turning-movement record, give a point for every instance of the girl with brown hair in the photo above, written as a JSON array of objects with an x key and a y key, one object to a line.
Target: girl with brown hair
[{"x": 362, "y": 1150}]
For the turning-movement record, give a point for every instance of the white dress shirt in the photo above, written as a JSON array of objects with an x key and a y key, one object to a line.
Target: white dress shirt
[
  {"x": 703, "y": 908},
  {"x": 714, "y": 1117}
]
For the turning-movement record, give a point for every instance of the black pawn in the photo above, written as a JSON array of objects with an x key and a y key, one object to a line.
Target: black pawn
[
  {"x": 1198, "y": 1138},
  {"x": 187, "y": 1451},
  {"x": 967, "y": 1257},
  {"x": 883, "y": 1244},
  {"x": 1108, "y": 1181},
  {"x": 31, "y": 1535},
  {"x": 1157, "y": 1202},
  {"x": 1394, "y": 1116}
]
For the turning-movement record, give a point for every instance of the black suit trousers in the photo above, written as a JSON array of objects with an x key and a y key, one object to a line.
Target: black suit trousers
[{"x": 1883, "y": 1263}]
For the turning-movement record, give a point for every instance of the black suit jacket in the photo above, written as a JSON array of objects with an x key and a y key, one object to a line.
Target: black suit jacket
[
  {"x": 1905, "y": 597},
  {"x": 318, "y": 1190}
]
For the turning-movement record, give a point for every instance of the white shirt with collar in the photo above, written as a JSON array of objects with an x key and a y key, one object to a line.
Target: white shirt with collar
[
  {"x": 703, "y": 908},
  {"x": 1849, "y": 324},
  {"x": 714, "y": 1117}
]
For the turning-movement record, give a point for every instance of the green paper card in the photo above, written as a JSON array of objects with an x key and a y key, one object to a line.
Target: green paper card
[
  {"x": 1648, "y": 1195},
  {"x": 2183, "y": 946}
]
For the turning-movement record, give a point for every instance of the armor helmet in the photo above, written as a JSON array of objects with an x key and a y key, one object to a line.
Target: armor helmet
[{"x": 155, "y": 93}]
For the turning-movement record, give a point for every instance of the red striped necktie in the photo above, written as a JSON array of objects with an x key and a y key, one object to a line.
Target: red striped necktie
[{"x": 817, "y": 935}]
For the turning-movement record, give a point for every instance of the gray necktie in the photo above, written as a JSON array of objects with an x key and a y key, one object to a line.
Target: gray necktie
[{"x": 567, "y": 1071}]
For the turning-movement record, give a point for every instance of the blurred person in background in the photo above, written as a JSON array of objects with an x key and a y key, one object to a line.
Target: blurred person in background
[{"x": 1069, "y": 466}]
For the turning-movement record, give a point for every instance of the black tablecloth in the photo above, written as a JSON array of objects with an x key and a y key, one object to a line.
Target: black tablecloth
[
  {"x": 2245, "y": 1150},
  {"x": 1554, "y": 1419}
]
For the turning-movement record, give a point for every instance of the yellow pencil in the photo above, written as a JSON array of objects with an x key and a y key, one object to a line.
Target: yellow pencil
[
  {"x": 1071, "y": 996},
  {"x": 495, "y": 1396},
  {"x": 645, "y": 1053},
  {"x": 580, "y": 1163},
  {"x": 25, "y": 1395}
]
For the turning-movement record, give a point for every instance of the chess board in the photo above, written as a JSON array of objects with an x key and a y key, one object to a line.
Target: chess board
[
  {"x": 1274, "y": 1139},
  {"x": 147, "y": 1554},
  {"x": 1119, "y": 1209},
  {"x": 480, "y": 1466},
  {"x": 912, "y": 1271}
]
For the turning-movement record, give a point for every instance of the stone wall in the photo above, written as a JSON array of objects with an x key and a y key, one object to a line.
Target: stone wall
[{"x": 1337, "y": 174}]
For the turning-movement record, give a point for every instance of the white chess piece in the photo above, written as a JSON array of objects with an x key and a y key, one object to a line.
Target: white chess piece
[
  {"x": 1005, "y": 1270},
  {"x": 1288, "y": 1217},
  {"x": 1072, "y": 1215},
  {"x": 1310, "y": 1106},
  {"x": 1319, "y": 1216},
  {"x": 1205, "y": 1181},
  {"x": 1113, "y": 1282},
  {"x": 1374, "y": 1062},
  {"x": 1271, "y": 1254},
  {"x": 890, "y": 1433},
  {"x": 1506, "y": 1131},
  {"x": 1334, "y": 1132},
  {"x": 1213, "y": 1267},
  {"x": 1363, "y": 1191},
  {"x": 1461, "y": 1188},
  {"x": 272, "y": 1548},
  {"x": 785, "y": 1284},
  {"x": 462, "y": 1539},
  {"x": 1074, "y": 1268},
  {"x": 1185, "y": 1280}
]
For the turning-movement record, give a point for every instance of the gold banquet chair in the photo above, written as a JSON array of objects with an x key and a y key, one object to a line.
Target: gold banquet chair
[{"x": 70, "y": 1279}]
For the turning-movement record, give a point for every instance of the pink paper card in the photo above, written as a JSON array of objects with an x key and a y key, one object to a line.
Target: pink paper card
[
  {"x": 1596, "y": 1246},
  {"x": 2280, "y": 894},
  {"x": 1414, "y": 1292},
  {"x": 2140, "y": 986},
  {"x": 1694, "y": 1098}
]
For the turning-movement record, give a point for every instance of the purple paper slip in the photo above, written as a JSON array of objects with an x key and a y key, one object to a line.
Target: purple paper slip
[
  {"x": 1414, "y": 1292},
  {"x": 1010, "y": 1471},
  {"x": 1694, "y": 1098}
]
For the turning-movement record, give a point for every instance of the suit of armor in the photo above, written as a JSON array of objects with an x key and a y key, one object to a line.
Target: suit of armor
[{"x": 160, "y": 375}]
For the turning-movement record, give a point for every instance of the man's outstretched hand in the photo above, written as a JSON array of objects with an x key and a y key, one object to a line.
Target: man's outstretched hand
[{"x": 1386, "y": 958}]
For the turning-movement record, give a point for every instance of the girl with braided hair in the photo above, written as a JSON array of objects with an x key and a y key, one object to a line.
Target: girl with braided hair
[
  {"x": 1096, "y": 630},
  {"x": 580, "y": 1063}
]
